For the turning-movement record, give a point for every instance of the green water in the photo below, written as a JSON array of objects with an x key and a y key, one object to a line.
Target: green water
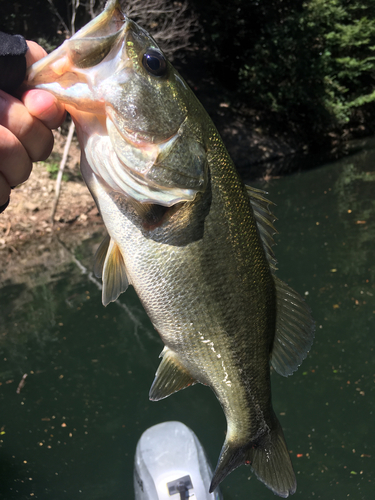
[{"x": 71, "y": 432}]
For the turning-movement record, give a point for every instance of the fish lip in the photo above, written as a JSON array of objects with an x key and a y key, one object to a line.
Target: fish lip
[{"x": 143, "y": 141}]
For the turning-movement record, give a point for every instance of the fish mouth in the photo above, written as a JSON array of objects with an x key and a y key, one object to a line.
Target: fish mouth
[{"x": 73, "y": 63}]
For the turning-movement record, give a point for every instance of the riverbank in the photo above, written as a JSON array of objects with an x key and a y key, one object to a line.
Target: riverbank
[{"x": 28, "y": 215}]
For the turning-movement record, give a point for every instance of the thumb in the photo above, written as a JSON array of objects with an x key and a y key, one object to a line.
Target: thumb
[{"x": 45, "y": 107}]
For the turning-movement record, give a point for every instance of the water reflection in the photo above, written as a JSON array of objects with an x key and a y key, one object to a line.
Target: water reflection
[{"x": 72, "y": 430}]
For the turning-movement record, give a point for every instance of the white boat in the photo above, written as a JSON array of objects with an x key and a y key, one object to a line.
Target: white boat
[{"x": 171, "y": 464}]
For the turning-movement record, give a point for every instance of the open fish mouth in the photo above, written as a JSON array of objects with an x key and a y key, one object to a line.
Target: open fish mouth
[
  {"x": 149, "y": 156},
  {"x": 73, "y": 72},
  {"x": 87, "y": 48}
]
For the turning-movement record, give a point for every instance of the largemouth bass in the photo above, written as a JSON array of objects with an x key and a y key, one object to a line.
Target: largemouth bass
[{"x": 194, "y": 242}]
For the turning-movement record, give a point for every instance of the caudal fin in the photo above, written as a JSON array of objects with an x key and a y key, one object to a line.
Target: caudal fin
[{"x": 268, "y": 457}]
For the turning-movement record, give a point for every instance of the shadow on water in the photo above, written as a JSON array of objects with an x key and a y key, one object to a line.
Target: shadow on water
[{"x": 71, "y": 432}]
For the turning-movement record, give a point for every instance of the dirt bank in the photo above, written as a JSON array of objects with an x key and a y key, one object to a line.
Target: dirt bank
[{"x": 29, "y": 212}]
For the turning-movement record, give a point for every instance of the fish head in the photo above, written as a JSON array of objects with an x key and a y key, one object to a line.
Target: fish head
[{"x": 138, "y": 122}]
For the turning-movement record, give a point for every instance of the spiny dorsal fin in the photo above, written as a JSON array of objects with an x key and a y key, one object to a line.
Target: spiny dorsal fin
[
  {"x": 264, "y": 219},
  {"x": 100, "y": 256},
  {"x": 115, "y": 280},
  {"x": 294, "y": 330},
  {"x": 170, "y": 377}
]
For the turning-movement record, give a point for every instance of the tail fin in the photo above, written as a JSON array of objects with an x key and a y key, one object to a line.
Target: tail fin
[{"x": 268, "y": 457}]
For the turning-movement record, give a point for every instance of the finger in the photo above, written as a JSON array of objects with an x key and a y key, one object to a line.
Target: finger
[
  {"x": 4, "y": 192},
  {"x": 45, "y": 107},
  {"x": 39, "y": 103},
  {"x": 15, "y": 164},
  {"x": 36, "y": 138},
  {"x": 34, "y": 53}
]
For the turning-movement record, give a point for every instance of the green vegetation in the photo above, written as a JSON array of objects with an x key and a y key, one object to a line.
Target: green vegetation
[
  {"x": 311, "y": 62},
  {"x": 53, "y": 169}
]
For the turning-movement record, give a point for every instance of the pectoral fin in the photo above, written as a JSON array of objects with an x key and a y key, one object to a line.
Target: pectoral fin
[
  {"x": 170, "y": 377},
  {"x": 110, "y": 266},
  {"x": 294, "y": 330}
]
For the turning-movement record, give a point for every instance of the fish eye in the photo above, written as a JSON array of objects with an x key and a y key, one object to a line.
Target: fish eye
[{"x": 154, "y": 62}]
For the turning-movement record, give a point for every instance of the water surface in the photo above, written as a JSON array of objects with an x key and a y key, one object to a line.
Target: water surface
[{"x": 72, "y": 430}]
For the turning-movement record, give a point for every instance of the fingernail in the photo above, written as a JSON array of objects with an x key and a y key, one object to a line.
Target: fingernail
[{"x": 3, "y": 207}]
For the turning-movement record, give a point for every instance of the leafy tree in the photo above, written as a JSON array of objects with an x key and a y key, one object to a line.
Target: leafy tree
[
  {"x": 347, "y": 47},
  {"x": 312, "y": 62}
]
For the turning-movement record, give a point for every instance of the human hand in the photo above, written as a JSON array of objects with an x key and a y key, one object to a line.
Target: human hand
[{"x": 25, "y": 130}]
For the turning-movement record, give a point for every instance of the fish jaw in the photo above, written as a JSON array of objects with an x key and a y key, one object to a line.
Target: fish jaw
[
  {"x": 73, "y": 71},
  {"x": 101, "y": 70}
]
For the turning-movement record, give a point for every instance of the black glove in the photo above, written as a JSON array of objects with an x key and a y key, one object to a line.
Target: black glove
[
  {"x": 12, "y": 67},
  {"x": 12, "y": 61}
]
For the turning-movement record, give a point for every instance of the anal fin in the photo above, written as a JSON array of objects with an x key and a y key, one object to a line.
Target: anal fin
[{"x": 171, "y": 376}]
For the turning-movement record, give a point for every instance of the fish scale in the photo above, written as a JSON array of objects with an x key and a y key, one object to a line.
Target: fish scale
[{"x": 184, "y": 231}]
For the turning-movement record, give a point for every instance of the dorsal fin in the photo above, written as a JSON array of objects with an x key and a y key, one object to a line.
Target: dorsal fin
[
  {"x": 115, "y": 280},
  {"x": 295, "y": 330},
  {"x": 170, "y": 377},
  {"x": 100, "y": 256},
  {"x": 294, "y": 325},
  {"x": 264, "y": 219}
]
